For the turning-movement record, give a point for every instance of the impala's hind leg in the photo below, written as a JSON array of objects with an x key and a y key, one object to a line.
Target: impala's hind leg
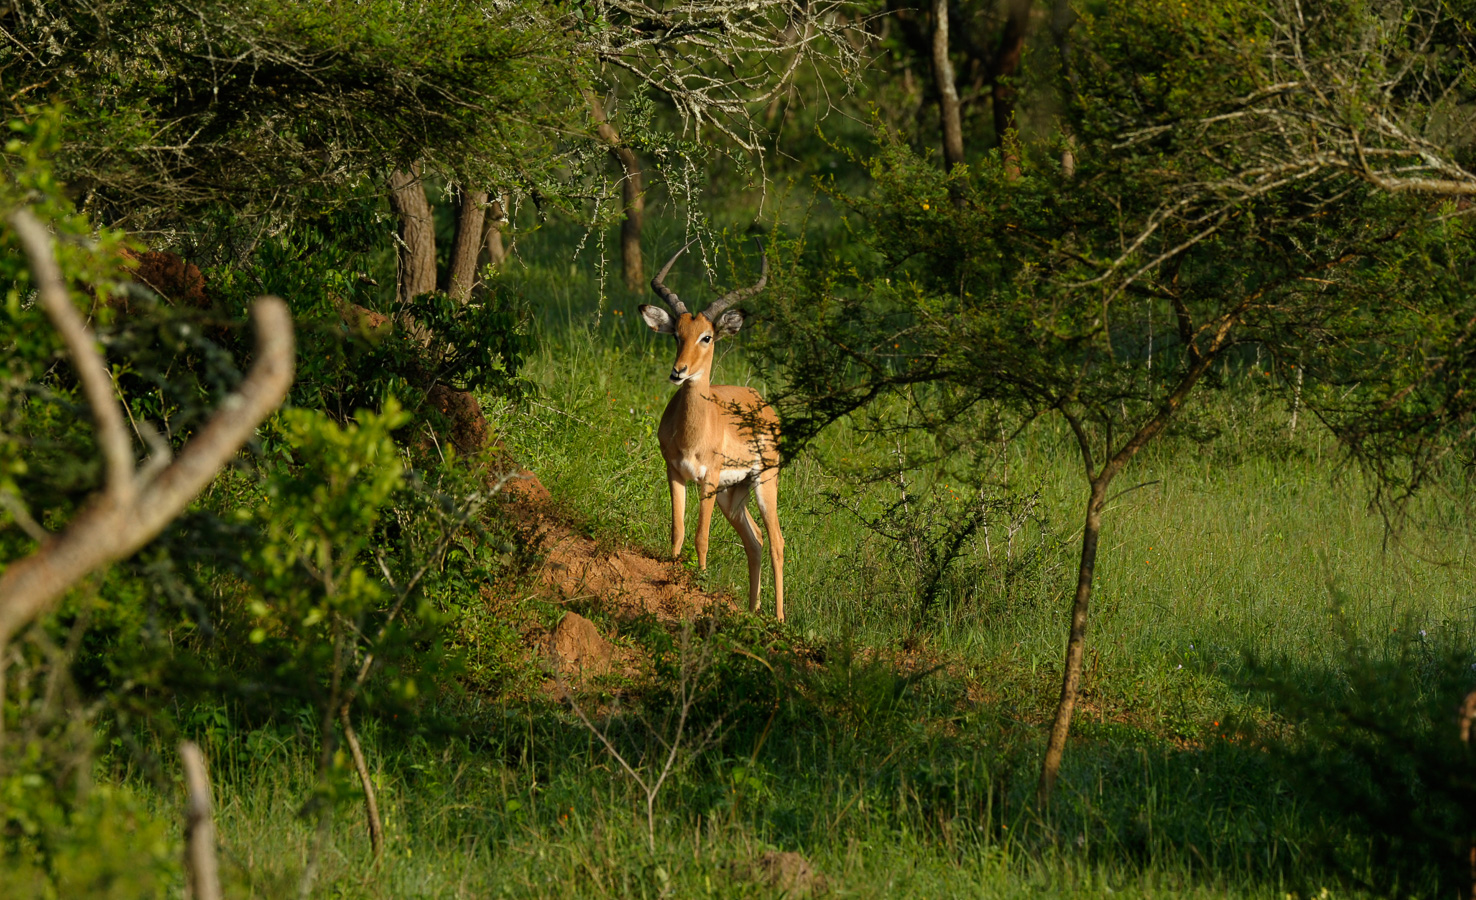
[
  {"x": 734, "y": 503},
  {"x": 768, "y": 504}
]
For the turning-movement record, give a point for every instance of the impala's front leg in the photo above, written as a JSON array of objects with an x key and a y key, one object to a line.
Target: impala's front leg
[
  {"x": 678, "y": 510},
  {"x": 704, "y": 521}
]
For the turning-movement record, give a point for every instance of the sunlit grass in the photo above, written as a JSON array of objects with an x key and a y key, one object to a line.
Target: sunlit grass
[{"x": 891, "y": 785}]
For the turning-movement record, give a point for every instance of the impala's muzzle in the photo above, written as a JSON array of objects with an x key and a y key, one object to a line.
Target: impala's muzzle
[{"x": 678, "y": 374}]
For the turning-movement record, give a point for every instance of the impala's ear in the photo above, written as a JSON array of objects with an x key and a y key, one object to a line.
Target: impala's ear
[
  {"x": 659, "y": 319},
  {"x": 729, "y": 322}
]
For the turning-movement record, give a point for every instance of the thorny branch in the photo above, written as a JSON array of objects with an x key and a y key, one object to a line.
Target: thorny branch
[
  {"x": 649, "y": 778},
  {"x": 1385, "y": 107},
  {"x": 717, "y": 60}
]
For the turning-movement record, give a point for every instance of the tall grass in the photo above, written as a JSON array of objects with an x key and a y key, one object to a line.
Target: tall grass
[{"x": 895, "y": 748}]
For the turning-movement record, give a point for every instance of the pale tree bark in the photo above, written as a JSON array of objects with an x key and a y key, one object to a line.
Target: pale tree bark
[
  {"x": 466, "y": 246},
  {"x": 1063, "y": 17},
  {"x": 417, "y": 244},
  {"x": 949, "y": 110},
  {"x": 135, "y": 504},
  {"x": 496, "y": 219},
  {"x": 633, "y": 201},
  {"x": 202, "y": 872}
]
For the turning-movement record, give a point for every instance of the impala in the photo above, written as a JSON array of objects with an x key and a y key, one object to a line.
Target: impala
[{"x": 724, "y": 437}]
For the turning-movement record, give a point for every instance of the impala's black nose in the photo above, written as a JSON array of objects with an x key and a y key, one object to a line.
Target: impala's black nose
[{"x": 678, "y": 373}]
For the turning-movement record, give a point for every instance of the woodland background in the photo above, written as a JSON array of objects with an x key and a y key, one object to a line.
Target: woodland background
[{"x": 1124, "y": 353}]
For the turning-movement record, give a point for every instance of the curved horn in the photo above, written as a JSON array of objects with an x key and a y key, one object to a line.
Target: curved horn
[
  {"x": 717, "y": 306},
  {"x": 666, "y": 295}
]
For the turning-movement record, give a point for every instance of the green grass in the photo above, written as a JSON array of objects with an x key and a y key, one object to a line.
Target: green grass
[
  {"x": 892, "y": 783},
  {"x": 1226, "y": 550}
]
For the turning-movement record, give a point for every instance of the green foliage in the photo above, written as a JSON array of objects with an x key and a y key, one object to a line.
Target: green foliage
[
  {"x": 318, "y": 519},
  {"x": 915, "y": 334},
  {"x": 109, "y": 844},
  {"x": 476, "y": 346},
  {"x": 46, "y": 450},
  {"x": 252, "y": 105}
]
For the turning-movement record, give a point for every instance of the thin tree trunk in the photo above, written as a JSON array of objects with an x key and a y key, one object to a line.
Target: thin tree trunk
[
  {"x": 948, "y": 105},
  {"x": 466, "y": 246},
  {"x": 633, "y": 202},
  {"x": 496, "y": 218},
  {"x": 1063, "y": 17},
  {"x": 371, "y": 802},
  {"x": 1091, "y": 528},
  {"x": 417, "y": 248},
  {"x": 1076, "y": 643},
  {"x": 202, "y": 873},
  {"x": 1296, "y": 401},
  {"x": 1005, "y": 67}
]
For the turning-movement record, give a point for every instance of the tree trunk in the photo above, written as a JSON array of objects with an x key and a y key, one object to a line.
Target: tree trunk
[
  {"x": 1099, "y": 480},
  {"x": 417, "y": 246},
  {"x": 948, "y": 105},
  {"x": 418, "y": 273},
  {"x": 202, "y": 871},
  {"x": 633, "y": 202},
  {"x": 1076, "y": 644},
  {"x": 496, "y": 218},
  {"x": 366, "y": 782},
  {"x": 466, "y": 246},
  {"x": 1005, "y": 67},
  {"x": 1062, "y": 18}
]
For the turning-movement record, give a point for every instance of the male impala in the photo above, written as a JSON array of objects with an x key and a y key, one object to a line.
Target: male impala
[{"x": 724, "y": 437}]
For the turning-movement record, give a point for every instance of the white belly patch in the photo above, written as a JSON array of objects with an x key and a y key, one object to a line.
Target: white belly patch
[
  {"x": 731, "y": 477},
  {"x": 691, "y": 471}
]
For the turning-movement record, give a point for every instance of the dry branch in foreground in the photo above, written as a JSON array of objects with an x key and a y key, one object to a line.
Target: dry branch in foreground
[
  {"x": 202, "y": 872},
  {"x": 136, "y": 502}
]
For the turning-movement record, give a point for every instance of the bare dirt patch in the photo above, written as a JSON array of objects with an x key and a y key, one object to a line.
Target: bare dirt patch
[
  {"x": 577, "y": 648},
  {"x": 622, "y": 581}
]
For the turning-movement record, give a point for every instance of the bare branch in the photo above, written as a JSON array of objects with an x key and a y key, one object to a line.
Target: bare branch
[
  {"x": 116, "y": 523},
  {"x": 201, "y": 870},
  {"x": 92, "y": 370},
  {"x": 366, "y": 782},
  {"x": 1381, "y": 109}
]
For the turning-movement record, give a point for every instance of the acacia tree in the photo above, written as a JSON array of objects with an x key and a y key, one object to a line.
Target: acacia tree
[
  {"x": 1073, "y": 295},
  {"x": 177, "y": 106},
  {"x": 1350, "y": 98}
]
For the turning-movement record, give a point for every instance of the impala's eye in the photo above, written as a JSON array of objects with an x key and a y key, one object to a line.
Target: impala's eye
[{"x": 707, "y": 339}]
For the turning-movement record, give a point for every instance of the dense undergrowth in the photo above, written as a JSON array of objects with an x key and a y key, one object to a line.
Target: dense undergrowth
[{"x": 1266, "y": 660}]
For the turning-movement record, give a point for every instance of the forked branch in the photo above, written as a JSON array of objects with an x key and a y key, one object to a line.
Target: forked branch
[{"x": 135, "y": 504}]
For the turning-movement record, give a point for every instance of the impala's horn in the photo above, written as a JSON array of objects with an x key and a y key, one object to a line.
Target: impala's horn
[
  {"x": 722, "y": 303},
  {"x": 666, "y": 295}
]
